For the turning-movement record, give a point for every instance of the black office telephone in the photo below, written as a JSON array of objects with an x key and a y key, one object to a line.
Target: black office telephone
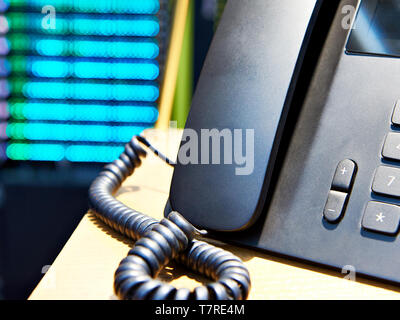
[{"x": 292, "y": 144}]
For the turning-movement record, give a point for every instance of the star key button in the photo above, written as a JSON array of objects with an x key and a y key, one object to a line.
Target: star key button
[{"x": 381, "y": 217}]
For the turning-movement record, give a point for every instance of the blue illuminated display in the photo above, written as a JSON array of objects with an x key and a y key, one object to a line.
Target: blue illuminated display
[
  {"x": 80, "y": 91},
  {"x": 96, "y": 48},
  {"x": 58, "y": 152},
  {"x": 72, "y": 132},
  {"x": 42, "y": 111},
  {"x": 84, "y": 25},
  {"x": 99, "y": 6},
  {"x": 35, "y": 152},
  {"x": 92, "y": 153},
  {"x": 91, "y": 91},
  {"x": 135, "y": 70}
]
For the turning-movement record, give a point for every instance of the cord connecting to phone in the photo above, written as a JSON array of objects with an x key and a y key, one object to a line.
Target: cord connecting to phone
[{"x": 159, "y": 242}]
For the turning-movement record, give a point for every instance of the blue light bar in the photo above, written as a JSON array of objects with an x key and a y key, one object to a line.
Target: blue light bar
[
  {"x": 138, "y": 49},
  {"x": 58, "y": 152},
  {"x": 139, "y": 70},
  {"x": 35, "y": 152},
  {"x": 40, "y": 111},
  {"x": 72, "y": 132},
  {"x": 98, "y": 6},
  {"x": 137, "y": 26},
  {"x": 91, "y": 91},
  {"x": 87, "y": 153}
]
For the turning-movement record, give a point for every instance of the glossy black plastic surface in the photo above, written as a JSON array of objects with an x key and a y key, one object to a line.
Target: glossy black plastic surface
[
  {"x": 247, "y": 83},
  {"x": 346, "y": 113}
]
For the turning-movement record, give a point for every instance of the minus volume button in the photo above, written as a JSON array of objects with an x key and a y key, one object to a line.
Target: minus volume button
[{"x": 335, "y": 206}]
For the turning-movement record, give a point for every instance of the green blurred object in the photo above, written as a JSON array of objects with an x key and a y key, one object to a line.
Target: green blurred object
[
  {"x": 220, "y": 8},
  {"x": 184, "y": 85}
]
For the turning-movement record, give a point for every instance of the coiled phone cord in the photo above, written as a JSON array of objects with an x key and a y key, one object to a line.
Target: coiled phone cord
[{"x": 160, "y": 242}]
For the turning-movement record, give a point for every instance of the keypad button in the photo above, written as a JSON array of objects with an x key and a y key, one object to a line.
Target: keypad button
[
  {"x": 391, "y": 148},
  {"x": 381, "y": 217},
  {"x": 344, "y": 175},
  {"x": 396, "y": 114},
  {"x": 335, "y": 206},
  {"x": 387, "y": 181}
]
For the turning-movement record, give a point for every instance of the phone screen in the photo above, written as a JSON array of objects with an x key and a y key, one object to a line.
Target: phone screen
[{"x": 376, "y": 29}]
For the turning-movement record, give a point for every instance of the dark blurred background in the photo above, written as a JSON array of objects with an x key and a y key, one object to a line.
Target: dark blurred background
[{"x": 70, "y": 96}]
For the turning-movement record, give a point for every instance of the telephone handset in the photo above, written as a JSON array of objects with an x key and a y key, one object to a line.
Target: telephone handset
[
  {"x": 312, "y": 96},
  {"x": 247, "y": 85}
]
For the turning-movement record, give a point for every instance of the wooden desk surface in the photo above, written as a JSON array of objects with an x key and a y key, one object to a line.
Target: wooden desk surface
[{"x": 85, "y": 267}]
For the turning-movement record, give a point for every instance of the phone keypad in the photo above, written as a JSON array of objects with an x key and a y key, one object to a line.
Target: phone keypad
[{"x": 379, "y": 216}]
